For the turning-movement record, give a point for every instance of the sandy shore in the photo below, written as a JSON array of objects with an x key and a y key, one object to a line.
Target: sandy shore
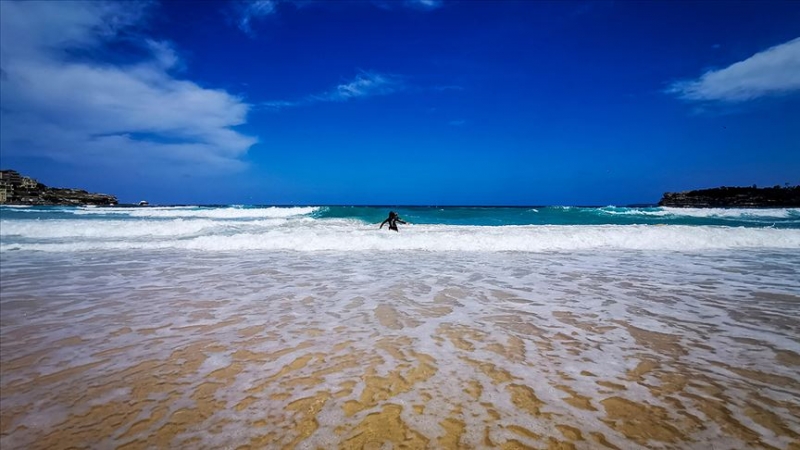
[{"x": 502, "y": 354}]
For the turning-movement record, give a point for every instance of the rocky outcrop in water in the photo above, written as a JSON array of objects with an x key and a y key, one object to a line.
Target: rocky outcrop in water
[
  {"x": 736, "y": 197},
  {"x": 16, "y": 189}
]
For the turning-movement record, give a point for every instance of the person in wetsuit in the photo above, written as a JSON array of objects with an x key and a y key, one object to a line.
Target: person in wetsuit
[{"x": 393, "y": 220}]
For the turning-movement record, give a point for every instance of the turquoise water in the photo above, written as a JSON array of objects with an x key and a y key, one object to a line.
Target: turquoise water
[
  {"x": 435, "y": 215},
  {"x": 571, "y": 215},
  {"x": 356, "y": 228}
]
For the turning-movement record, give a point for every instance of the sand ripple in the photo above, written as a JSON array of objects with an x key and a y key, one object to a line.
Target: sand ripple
[{"x": 425, "y": 350}]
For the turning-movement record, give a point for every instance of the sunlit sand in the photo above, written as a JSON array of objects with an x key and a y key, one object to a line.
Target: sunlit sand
[{"x": 439, "y": 350}]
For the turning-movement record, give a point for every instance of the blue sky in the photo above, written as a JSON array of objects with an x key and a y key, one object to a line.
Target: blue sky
[{"x": 400, "y": 102}]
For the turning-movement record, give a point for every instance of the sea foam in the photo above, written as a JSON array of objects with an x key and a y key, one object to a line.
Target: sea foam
[
  {"x": 730, "y": 213},
  {"x": 68, "y": 229},
  {"x": 218, "y": 350},
  {"x": 304, "y": 234},
  {"x": 195, "y": 212}
]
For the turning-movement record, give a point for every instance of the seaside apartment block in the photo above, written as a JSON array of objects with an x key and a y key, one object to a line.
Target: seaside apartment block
[{"x": 15, "y": 186}]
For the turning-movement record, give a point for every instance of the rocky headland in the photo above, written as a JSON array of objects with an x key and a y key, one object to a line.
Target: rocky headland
[
  {"x": 16, "y": 189},
  {"x": 735, "y": 197}
]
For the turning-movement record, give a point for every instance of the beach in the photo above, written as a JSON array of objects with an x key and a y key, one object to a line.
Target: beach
[
  {"x": 233, "y": 327},
  {"x": 437, "y": 350}
]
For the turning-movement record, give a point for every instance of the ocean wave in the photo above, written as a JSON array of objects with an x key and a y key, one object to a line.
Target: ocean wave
[
  {"x": 716, "y": 213},
  {"x": 178, "y": 228},
  {"x": 200, "y": 212},
  {"x": 346, "y": 235}
]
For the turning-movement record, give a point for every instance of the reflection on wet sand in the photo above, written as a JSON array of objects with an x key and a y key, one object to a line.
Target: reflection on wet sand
[{"x": 574, "y": 355}]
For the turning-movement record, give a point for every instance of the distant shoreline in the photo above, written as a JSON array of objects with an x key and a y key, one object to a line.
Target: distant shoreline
[
  {"x": 19, "y": 190},
  {"x": 283, "y": 205},
  {"x": 734, "y": 197}
]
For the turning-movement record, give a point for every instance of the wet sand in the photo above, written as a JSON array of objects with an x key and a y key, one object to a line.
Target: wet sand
[{"x": 296, "y": 350}]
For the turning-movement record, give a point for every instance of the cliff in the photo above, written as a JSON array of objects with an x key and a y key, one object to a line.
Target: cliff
[
  {"x": 736, "y": 197},
  {"x": 16, "y": 189}
]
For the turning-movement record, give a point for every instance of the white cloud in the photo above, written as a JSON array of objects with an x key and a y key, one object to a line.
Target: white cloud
[
  {"x": 90, "y": 112},
  {"x": 164, "y": 54},
  {"x": 245, "y": 12},
  {"x": 771, "y": 72},
  {"x": 279, "y": 104},
  {"x": 365, "y": 84},
  {"x": 253, "y": 9},
  {"x": 425, "y": 5}
]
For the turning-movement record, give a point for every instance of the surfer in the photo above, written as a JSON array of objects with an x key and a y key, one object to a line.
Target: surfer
[{"x": 393, "y": 220}]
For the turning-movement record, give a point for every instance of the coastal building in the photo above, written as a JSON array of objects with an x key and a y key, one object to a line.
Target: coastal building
[
  {"x": 10, "y": 176},
  {"x": 28, "y": 183},
  {"x": 9, "y": 179},
  {"x": 6, "y": 184}
]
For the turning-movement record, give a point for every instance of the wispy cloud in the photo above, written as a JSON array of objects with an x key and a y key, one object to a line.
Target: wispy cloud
[
  {"x": 164, "y": 54},
  {"x": 248, "y": 10},
  {"x": 420, "y": 5},
  {"x": 365, "y": 84},
  {"x": 773, "y": 71},
  {"x": 424, "y": 4},
  {"x": 96, "y": 113},
  {"x": 278, "y": 104}
]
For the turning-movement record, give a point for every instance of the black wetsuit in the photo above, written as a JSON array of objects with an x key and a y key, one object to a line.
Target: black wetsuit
[{"x": 393, "y": 220}]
